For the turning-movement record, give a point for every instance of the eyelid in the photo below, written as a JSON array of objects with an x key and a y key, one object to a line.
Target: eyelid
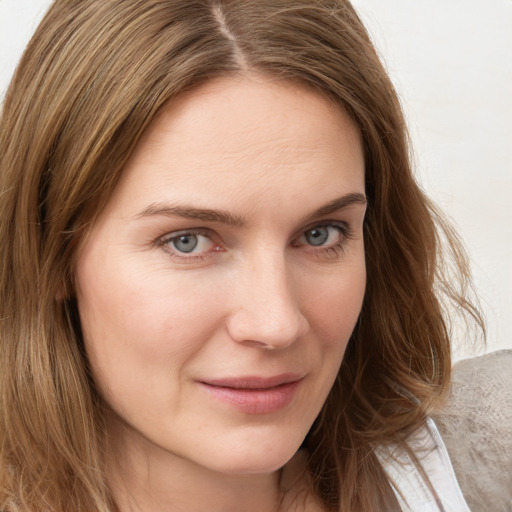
[{"x": 181, "y": 232}]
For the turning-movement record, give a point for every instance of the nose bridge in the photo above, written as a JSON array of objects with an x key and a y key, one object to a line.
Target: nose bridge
[{"x": 267, "y": 310}]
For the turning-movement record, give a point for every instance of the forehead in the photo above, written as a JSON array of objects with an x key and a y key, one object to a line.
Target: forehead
[{"x": 245, "y": 139}]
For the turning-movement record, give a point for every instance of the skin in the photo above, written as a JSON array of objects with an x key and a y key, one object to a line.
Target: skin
[{"x": 271, "y": 288}]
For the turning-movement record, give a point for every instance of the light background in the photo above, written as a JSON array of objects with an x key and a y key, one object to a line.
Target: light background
[{"x": 451, "y": 61}]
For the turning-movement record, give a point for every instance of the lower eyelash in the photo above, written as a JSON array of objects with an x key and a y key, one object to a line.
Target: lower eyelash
[
  {"x": 339, "y": 248},
  {"x": 335, "y": 250}
]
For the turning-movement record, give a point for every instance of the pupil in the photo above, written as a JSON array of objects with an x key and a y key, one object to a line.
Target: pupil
[
  {"x": 317, "y": 236},
  {"x": 186, "y": 243}
]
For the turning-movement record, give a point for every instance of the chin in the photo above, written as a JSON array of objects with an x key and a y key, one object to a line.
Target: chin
[{"x": 257, "y": 456}]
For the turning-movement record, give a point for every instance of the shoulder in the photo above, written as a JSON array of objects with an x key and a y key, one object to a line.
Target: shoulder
[{"x": 476, "y": 427}]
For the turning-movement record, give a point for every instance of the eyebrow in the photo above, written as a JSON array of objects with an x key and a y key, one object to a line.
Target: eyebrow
[
  {"x": 340, "y": 203},
  {"x": 186, "y": 212},
  {"x": 225, "y": 217}
]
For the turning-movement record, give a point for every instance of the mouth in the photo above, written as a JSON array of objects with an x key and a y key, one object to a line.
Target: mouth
[{"x": 255, "y": 395}]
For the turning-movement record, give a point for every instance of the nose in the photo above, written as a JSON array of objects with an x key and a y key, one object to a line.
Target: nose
[{"x": 266, "y": 310}]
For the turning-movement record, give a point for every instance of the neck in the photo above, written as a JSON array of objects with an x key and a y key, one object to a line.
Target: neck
[{"x": 144, "y": 477}]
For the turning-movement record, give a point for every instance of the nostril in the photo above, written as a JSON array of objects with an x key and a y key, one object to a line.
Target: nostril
[{"x": 262, "y": 345}]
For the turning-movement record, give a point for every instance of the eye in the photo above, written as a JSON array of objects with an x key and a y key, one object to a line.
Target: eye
[
  {"x": 188, "y": 242},
  {"x": 327, "y": 240},
  {"x": 323, "y": 236}
]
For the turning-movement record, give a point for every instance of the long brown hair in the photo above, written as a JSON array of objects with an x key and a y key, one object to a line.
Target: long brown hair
[{"x": 92, "y": 79}]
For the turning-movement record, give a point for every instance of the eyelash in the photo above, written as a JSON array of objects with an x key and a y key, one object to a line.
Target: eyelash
[{"x": 346, "y": 233}]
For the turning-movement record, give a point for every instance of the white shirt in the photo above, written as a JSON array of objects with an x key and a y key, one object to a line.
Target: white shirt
[{"x": 410, "y": 488}]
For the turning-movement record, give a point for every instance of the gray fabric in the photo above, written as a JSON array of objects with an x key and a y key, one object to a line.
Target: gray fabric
[{"x": 476, "y": 426}]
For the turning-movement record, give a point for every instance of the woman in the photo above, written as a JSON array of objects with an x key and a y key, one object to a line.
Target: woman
[{"x": 220, "y": 281}]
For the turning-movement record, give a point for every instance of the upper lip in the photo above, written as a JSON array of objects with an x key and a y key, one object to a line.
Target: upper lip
[{"x": 254, "y": 382}]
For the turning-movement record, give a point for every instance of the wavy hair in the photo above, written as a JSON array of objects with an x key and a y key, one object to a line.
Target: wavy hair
[{"x": 92, "y": 79}]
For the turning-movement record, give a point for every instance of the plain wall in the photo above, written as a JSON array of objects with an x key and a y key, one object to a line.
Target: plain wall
[{"x": 451, "y": 61}]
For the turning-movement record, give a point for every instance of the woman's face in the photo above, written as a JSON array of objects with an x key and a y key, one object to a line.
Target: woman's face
[{"x": 219, "y": 288}]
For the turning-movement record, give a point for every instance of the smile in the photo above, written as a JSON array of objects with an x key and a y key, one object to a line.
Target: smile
[{"x": 255, "y": 395}]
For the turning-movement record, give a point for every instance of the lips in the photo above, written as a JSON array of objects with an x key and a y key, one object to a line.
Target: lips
[{"x": 255, "y": 395}]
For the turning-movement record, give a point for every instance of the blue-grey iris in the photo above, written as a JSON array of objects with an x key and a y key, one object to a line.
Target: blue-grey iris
[
  {"x": 317, "y": 236},
  {"x": 185, "y": 243}
]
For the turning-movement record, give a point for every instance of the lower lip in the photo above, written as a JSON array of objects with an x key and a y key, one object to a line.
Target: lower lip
[{"x": 255, "y": 401}]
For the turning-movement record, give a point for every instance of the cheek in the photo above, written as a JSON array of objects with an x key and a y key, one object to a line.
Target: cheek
[
  {"x": 335, "y": 304},
  {"x": 141, "y": 327}
]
